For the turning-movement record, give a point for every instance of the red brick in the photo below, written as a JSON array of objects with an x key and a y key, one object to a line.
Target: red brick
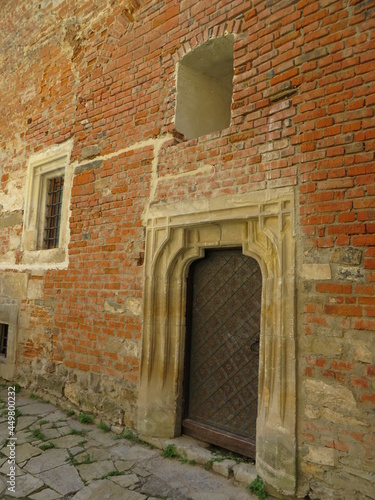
[
  {"x": 343, "y": 310},
  {"x": 368, "y": 398},
  {"x": 359, "y": 382},
  {"x": 341, "y": 365},
  {"x": 333, "y": 288}
]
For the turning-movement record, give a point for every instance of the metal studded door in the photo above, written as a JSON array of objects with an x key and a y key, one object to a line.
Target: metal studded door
[{"x": 222, "y": 352}]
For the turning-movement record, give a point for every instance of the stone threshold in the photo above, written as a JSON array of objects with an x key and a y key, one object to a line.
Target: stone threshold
[{"x": 193, "y": 450}]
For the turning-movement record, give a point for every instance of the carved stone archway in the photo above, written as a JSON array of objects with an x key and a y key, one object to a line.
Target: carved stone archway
[{"x": 263, "y": 228}]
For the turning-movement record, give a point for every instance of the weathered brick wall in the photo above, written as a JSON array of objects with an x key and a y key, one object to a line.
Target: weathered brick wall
[{"x": 302, "y": 116}]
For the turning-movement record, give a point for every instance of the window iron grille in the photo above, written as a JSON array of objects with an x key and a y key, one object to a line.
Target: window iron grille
[
  {"x": 3, "y": 340},
  {"x": 53, "y": 212}
]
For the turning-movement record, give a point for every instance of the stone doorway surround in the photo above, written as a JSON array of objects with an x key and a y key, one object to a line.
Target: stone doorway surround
[{"x": 262, "y": 224}]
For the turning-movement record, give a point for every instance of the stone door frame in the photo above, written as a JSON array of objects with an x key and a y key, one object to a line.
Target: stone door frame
[{"x": 263, "y": 227}]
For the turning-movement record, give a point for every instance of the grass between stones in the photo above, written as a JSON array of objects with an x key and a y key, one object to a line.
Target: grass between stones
[
  {"x": 86, "y": 418},
  {"x": 257, "y": 487},
  {"x": 132, "y": 436},
  {"x": 73, "y": 461},
  {"x": 170, "y": 452},
  {"x": 111, "y": 473},
  {"x": 104, "y": 427},
  {"x": 47, "y": 446},
  {"x": 38, "y": 434},
  {"x": 75, "y": 432}
]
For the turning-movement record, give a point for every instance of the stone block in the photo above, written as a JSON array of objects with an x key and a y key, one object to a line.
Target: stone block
[
  {"x": 316, "y": 271},
  {"x": 350, "y": 273},
  {"x": 223, "y": 468},
  {"x": 90, "y": 151},
  {"x": 335, "y": 397},
  {"x": 13, "y": 285},
  {"x": 12, "y": 219},
  {"x": 72, "y": 392},
  {"x": 244, "y": 473},
  {"x": 198, "y": 455},
  {"x": 348, "y": 256},
  {"x": 321, "y": 455},
  {"x": 35, "y": 289}
]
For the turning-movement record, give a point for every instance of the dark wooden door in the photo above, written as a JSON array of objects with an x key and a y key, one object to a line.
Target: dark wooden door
[{"x": 221, "y": 375}]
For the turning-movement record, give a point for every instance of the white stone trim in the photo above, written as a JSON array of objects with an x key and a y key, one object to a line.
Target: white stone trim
[
  {"x": 9, "y": 316},
  {"x": 42, "y": 166}
]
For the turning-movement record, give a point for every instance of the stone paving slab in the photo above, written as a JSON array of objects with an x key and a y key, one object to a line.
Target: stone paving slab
[
  {"x": 95, "y": 454},
  {"x": 209, "y": 496},
  {"x": 67, "y": 441},
  {"x": 103, "y": 465},
  {"x": 46, "y": 494},
  {"x": 101, "y": 438},
  {"x": 26, "y": 484},
  {"x": 22, "y": 399},
  {"x": 4, "y": 470},
  {"x": 56, "y": 416},
  {"x": 40, "y": 409},
  {"x": 126, "y": 480},
  {"x": 51, "y": 433},
  {"x": 64, "y": 479},
  {"x": 97, "y": 470},
  {"x": 4, "y": 432},
  {"x": 135, "y": 453},
  {"x": 101, "y": 489},
  {"x": 3, "y": 485},
  {"x": 26, "y": 451},
  {"x": 124, "y": 465},
  {"x": 25, "y": 422},
  {"x": 23, "y": 436},
  {"x": 156, "y": 486},
  {"x": 50, "y": 459},
  {"x": 76, "y": 450}
]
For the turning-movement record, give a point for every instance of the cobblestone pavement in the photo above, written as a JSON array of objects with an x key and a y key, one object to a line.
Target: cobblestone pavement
[{"x": 57, "y": 456}]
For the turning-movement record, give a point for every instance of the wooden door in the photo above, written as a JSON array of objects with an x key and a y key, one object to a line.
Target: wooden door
[{"x": 222, "y": 353}]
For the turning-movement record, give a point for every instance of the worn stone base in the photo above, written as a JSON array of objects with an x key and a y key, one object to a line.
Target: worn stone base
[{"x": 112, "y": 400}]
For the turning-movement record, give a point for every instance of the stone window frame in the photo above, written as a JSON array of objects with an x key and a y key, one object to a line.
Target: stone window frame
[
  {"x": 262, "y": 225},
  {"x": 50, "y": 163},
  {"x": 9, "y": 316},
  {"x": 4, "y": 344}
]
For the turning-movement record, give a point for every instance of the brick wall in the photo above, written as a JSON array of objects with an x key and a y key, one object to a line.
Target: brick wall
[{"x": 302, "y": 116}]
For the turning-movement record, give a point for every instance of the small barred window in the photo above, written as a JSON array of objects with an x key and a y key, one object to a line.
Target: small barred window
[
  {"x": 3, "y": 340},
  {"x": 53, "y": 212}
]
